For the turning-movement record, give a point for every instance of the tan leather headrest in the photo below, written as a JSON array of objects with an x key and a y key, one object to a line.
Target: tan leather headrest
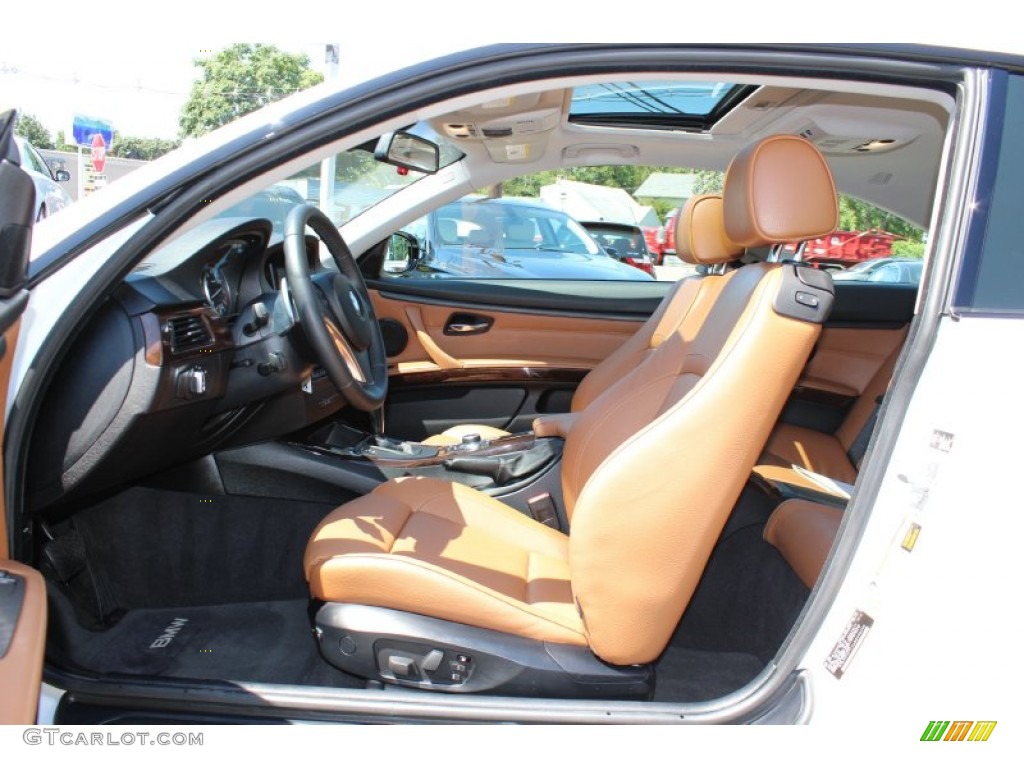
[
  {"x": 779, "y": 190},
  {"x": 700, "y": 233}
]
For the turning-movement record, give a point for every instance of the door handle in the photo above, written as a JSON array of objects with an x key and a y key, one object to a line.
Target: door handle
[
  {"x": 466, "y": 327},
  {"x": 465, "y": 324}
]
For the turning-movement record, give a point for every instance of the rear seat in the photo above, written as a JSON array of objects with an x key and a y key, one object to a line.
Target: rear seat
[
  {"x": 804, "y": 526},
  {"x": 837, "y": 456},
  {"x": 803, "y": 532}
]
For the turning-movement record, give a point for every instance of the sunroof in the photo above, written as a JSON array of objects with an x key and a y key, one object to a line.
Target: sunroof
[{"x": 657, "y": 104}]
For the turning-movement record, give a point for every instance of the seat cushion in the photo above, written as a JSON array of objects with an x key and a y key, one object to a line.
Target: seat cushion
[
  {"x": 803, "y": 531},
  {"x": 816, "y": 451},
  {"x": 445, "y": 550}
]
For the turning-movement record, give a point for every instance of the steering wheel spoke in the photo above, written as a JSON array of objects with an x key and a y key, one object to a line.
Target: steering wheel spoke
[
  {"x": 355, "y": 362},
  {"x": 335, "y": 312}
]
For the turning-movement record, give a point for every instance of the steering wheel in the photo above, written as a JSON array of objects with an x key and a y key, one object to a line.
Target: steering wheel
[{"x": 335, "y": 312}]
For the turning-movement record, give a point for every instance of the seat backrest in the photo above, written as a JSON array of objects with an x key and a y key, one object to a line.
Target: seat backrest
[
  {"x": 480, "y": 238},
  {"x": 708, "y": 246},
  {"x": 623, "y": 247},
  {"x": 867, "y": 404},
  {"x": 653, "y": 466},
  {"x": 519, "y": 234}
]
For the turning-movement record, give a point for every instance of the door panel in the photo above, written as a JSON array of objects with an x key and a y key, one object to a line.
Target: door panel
[
  {"x": 499, "y": 354},
  {"x": 23, "y": 609},
  {"x": 512, "y": 339},
  {"x": 22, "y": 590}
]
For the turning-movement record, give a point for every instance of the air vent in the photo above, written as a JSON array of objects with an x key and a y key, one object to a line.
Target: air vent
[{"x": 187, "y": 333}]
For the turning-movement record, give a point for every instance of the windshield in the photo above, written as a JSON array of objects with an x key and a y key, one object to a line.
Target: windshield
[
  {"x": 343, "y": 186},
  {"x": 352, "y": 182}
]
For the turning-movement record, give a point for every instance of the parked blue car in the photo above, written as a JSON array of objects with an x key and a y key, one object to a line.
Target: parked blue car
[{"x": 502, "y": 238}]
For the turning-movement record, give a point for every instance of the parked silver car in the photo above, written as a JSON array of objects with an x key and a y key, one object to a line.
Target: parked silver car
[{"x": 50, "y": 195}]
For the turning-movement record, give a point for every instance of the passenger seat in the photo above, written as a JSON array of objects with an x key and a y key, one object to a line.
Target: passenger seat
[{"x": 701, "y": 240}]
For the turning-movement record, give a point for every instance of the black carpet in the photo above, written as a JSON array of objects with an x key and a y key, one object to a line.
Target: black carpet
[
  {"x": 191, "y": 586},
  {"x": 687, "y": 675},
  {"x": 149, "y": 548},
  {"x": 269, "y": 642},
  {"x": 744, "y": 606}
]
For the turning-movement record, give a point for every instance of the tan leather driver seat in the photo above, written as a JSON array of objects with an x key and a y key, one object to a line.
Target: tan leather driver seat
[
  {"x": 434, "y": 585},
  {"x": 701, "y": 240}
]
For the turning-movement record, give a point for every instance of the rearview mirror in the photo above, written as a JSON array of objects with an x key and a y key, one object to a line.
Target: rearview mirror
[
  {"x": 62, "y": 176},
  {"x": 408, "y": 151}
]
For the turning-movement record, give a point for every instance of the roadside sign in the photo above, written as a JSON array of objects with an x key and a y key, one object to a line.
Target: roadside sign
[
  {"x": 84, "y": 128},
  {"x": 99, "y": 153}
]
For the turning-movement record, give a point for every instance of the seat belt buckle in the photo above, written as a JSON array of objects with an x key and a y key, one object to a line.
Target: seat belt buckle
[{"x": 542, "y": 509}]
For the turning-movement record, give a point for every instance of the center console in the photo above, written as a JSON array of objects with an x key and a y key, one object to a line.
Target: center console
[{"x": 522, "y": 470}]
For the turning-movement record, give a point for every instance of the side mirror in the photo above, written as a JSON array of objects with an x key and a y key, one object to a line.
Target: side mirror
[
  {"x": 401, "y": 255},
  {"x": 408, "y": 151},
  {"x": 62, "y": 176}
]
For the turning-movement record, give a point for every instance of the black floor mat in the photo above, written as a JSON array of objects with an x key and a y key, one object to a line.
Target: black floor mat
[
  {"x": 687, "y": 675},
  {"x": 267, "y": 642},
  {"x": 150, "y": 548}
]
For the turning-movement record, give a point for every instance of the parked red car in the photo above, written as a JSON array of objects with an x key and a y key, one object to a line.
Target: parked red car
[
  {"x": 665, "y": 239},
  {"x": 843, "y": 249},
  {"x": 652, "y": 237}
]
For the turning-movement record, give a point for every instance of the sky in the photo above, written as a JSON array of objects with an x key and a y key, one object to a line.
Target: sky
[{"x": 133, "y": 65}]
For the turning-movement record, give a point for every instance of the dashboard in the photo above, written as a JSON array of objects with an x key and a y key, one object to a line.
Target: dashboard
[{"x": 198, "y": 349}]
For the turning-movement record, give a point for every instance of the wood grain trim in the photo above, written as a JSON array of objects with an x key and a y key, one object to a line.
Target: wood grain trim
[
  {"x": 502, "y": 375},
  {"x": 438, "y": 355}
]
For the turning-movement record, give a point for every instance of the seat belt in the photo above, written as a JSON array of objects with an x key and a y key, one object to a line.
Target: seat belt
[{"x": 860, "y": 446}]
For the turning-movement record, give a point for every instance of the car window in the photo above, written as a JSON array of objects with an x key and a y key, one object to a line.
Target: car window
[
  {"x": 31, "y": 160},
  {"x": 889, "y": 273},
  {"x": 993, "y": 270},
  {"x": 624, "y": 242},
  {"x": 882, "y": 270},
  {"x": 504, "y": 238}
]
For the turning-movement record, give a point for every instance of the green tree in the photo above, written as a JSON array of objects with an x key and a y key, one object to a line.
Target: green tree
[
  {"x": 61, "y": 143},
  {"x": 239, "y": 80},
  {"x": 33, "y": 131},
  {"x": 709, "y": 182},
  {"x": 857, "y": 216},
  {"x": 908, "y": 248},
  {"x": 139, "y": 148}
]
